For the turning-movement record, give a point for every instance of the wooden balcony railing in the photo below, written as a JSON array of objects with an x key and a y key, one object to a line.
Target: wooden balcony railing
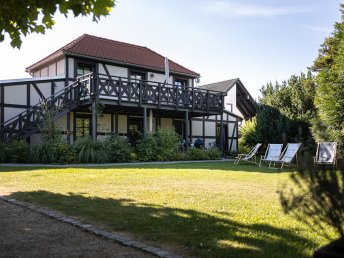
[{"x": 141, "y": 92}]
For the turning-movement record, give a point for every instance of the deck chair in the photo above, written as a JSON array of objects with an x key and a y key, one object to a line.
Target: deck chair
[
  {"x": 288, "y": 154},
  {"x": 272, "y": 154},
  {"x": 250, "y": 155},
  {"x": 326, "y": 153}
]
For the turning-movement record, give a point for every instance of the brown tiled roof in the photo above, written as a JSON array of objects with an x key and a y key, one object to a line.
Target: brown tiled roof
[{"x": 114, "y": 51}]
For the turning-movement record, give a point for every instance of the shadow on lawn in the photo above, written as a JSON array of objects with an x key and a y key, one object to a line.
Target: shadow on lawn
[
  {"x": 203, "y": 235},
  {"x": 225, "y": 166}
]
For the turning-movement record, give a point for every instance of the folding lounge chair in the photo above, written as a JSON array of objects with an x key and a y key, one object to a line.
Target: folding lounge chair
[
  {"x": 326, "y": 153},
  {"x": 272, "y": 154},
  {"x": 288, "y": 154},
  {"x": 250, "y": 155}
]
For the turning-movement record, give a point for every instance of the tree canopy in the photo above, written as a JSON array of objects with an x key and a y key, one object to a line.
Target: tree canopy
[
  {"x": 21, "y": 17},
  {"x": 284, "y": 113},
  {"x": 329, "y": 99}
]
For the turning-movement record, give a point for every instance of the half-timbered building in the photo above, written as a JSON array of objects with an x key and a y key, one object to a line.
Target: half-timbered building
[{"x": 129, "y": 86}]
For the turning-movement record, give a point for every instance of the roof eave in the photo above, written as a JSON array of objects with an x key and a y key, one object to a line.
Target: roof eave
[{"x": 71, "y": 54}]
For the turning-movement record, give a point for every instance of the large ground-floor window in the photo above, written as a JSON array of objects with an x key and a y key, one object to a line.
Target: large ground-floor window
[{"x": 83, "y": 125}]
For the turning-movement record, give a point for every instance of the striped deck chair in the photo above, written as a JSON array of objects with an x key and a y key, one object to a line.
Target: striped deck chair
[
  {"x": 250, "y": 155},
  {"x": 272, "y": 154},
  {"x": 326, "y": 153},
  {"x": 289, "y": 153}
]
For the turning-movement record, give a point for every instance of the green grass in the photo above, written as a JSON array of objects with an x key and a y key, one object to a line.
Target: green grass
[{"x": 198, "y": 209}]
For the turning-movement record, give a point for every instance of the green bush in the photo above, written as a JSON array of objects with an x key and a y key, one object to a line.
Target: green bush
[
  {"x": 168, "y": 142},
  {"x": 248, "y": 134},
  {"x": 213, "y": 153},
  {"x": 52, "y": 152},
  {"x": 2, "y": 152},
  {"x": 17, "y": 151},
  {"x": 133, "y": 156},
  {"x": 146, "y": 148},
  {"x": 63, "y": 152},
  {"x": 195, "y": 154},
  {"x": 89, "y": 152},
  {"x": 117, "y": 149},
  {"x": 41, "y": 153}
]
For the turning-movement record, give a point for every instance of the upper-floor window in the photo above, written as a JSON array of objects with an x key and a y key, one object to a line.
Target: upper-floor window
[
  {"x": 135, "y": 75},
  {"x": 83, "y": 69},
  {"x": 182, "y": 83}
]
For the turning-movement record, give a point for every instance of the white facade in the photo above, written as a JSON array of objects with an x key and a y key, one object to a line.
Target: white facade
[{"x": 19, "y": 96}]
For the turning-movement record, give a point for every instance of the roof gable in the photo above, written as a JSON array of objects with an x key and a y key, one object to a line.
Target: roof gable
[
  {"x": 245, "y": 102},
  {"x": 114, "y": 51},
  {"x": 223, "y": 86}
]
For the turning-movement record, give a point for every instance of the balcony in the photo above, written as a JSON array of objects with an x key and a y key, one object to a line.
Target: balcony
[{"x": 114, "y": 90}]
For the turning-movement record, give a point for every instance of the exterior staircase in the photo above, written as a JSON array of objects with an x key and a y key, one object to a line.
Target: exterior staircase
[{"x": 57, "y": 105}]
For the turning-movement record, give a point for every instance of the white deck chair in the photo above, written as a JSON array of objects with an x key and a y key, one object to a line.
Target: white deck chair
[
  {"x": 326, "y": 153},
  {"x": 288, "y": 154},
  {"x": 250, "y": 155},
  {"x": 272, "y": 154}
]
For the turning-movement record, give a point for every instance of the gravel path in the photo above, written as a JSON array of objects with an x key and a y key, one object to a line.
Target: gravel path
[{"x": 25, "y": 233}]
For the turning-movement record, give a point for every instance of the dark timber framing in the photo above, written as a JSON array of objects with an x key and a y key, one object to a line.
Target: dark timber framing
[{"x": 122, "y": 96}]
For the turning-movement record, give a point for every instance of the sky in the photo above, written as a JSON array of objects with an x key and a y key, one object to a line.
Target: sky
[{"x": 257, "y": 41}]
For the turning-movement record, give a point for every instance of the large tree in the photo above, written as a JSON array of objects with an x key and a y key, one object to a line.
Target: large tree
[
  {"x": 329, "y": 100},
  {"x": 21, "y": 17},
  {"x": 290, "y": 106}
]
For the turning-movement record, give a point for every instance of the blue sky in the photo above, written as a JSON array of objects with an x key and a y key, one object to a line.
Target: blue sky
[{"x": 257, "y": 41}]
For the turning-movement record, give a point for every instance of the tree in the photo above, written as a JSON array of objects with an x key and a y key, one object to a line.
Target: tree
[
  {"x": 329, "y": 99},
  {"x": 22, "y": 17},
  {"x": 285, "y": 111}
]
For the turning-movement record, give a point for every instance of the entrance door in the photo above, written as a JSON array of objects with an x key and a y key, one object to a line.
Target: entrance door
[
  {"x": 225, "y": 135},
  {"x": 135, "y": 129}
]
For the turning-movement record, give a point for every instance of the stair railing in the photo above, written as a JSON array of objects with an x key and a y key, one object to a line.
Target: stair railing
[{"x": 27, "y": 122}]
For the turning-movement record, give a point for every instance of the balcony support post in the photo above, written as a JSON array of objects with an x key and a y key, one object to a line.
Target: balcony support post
[
  {"x": 144, "y": 121},
  {"x": 150, "y": 121},
  {"x": 94, "y": 120},
  {"x": 222, "y": 136},
  {"x": 186, "y": 132}
]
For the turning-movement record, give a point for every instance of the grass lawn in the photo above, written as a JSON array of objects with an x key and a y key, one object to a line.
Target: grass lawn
[{"x": 196, "y": 209}]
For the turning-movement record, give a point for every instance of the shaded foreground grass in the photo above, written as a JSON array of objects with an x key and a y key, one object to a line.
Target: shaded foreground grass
[{"x": 207, "y": 209}]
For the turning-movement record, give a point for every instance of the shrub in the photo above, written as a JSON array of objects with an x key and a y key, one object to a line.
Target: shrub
[
  {"x": 17, "y": 151},
  {"x": 133, "y": 156},
  {"x": 117, "y": 149},
  {"x": 213, "y": 153},
  {"x": 195, "y": 154},
  {"x": 248, "y": 134},
  {"x": 168, "y": 142},
  {"x": 41, "y": 153},
  {"x": 89, "y": 152},
  {"x": 2, "y": 152},
  {"x": 146, "y": 148},
  {"x": 63, "y": 152}
]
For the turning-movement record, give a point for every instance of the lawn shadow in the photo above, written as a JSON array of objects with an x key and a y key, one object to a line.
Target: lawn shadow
[{"x": 201, "y": 234}]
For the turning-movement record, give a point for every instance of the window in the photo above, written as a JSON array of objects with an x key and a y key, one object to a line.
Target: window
[
  {"x": 83, "y": 125},
  {"x": 134, "y": 75},
  {"x": 83, "y": 69},
  {"x": 180, "y": 82},
  {"x": 179, "y": 127}
]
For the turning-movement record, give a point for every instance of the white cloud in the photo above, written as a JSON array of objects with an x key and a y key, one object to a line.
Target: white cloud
[
  {"x": 240, "y": 9},
  {"x": 316, "y": 28}
]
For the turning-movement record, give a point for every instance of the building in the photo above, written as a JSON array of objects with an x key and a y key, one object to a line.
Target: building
[{"x": 129, "y": 85}]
